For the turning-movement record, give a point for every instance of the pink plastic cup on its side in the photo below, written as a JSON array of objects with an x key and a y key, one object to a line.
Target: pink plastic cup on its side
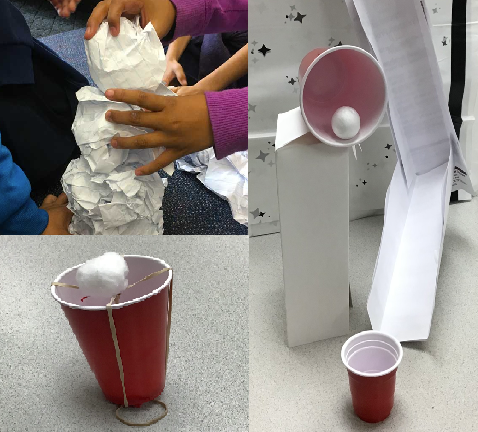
[
  {"x": 372, "y": 359},
  {"x": 337, "y": 77}
]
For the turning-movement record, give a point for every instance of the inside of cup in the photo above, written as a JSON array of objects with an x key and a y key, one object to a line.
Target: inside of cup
[
  {"x": 372, "y": 354},
  {"x": 344, "y": 77},
  {"x": 139, "y": 267}
]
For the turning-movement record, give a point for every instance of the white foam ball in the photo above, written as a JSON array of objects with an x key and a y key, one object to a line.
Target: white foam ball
[
  {"x": 346, "y": 123},
  {"x": 104, "y": 276}
]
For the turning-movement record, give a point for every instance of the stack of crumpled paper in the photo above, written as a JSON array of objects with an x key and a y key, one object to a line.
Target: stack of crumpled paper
[
  {"x": 103, "y": 192},
  {"x": 227, "y": 177}
]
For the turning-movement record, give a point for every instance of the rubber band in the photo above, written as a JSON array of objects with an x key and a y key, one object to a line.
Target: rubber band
[
  {"x": 151, "y": 275},
  {"x": 153, "y": 421}
]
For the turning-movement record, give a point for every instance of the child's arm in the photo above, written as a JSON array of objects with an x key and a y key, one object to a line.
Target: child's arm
[
  {"x": 176, "y": 48},
  {"x": 173, "y": 18},
  {"x": 18, "y": 212},
  {"x": 173, "y": 68},
  {"x": 199, "y": 17},
  {"x": 228, "y": 116},
  {"x": 227, "y": 73}
]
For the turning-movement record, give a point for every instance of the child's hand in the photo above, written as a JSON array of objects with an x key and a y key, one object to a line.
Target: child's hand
[
  {"x": 174, "y": 70},
  {"x": 187, "y": 90},
  {"x": 181, "y": 124},
  {"x": 161, "y": 13},
  {"x": 65, "y": 7},
  {"x": 59, "y": 216}
]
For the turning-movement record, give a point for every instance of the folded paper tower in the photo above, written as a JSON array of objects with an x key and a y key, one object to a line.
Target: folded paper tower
[
  {"x": 103, "y": 192},
  {"x": 313, "y": 192},
  {"x": 430, "y": 165}
]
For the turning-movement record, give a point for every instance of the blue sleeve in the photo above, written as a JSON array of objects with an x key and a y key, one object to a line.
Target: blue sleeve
[{"x": 18, "y": 212}]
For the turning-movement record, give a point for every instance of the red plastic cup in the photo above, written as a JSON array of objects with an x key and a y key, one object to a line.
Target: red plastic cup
[
  {"x": 372, "y": 359},
  {"x": 141, "y": 320},
  {"x": 331, "y": 78}
]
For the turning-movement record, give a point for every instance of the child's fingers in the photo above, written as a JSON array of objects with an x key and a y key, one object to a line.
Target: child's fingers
[
  {"x": 149, "y": 140},
  {"x": 100, "y": 12},
  {"x": 62, "y": 199},
  {"x": 133, "y": 118},
  {"x": 163, "y": 160},
  {"x": 146, "y": 100},
  {"x": 181, "y": 76},
  {"x": 50, "y": 199},
  {"x": 168, "y": 77},
  {"x": 72, "y": 5}
]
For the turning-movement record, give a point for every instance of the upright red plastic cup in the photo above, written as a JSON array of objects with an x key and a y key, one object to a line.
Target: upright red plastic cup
[
  {"x": 331, "y": 78},
  {"x": 141, "y": 321},
  {"x": 372, "y": 359}
]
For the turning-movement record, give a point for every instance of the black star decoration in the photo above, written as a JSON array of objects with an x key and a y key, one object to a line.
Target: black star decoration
[
  {"x": 388, "y": 146},
  {"x": 299, "y": 17},
  {"x": 375, "y": 165},
  {"x": 444, "y": 41},
  {"x": 264, "y": 50},
  {"x": 292, "y": 81},
  {"x": 364, "y": 182},
  {"x": 339, "y": 44},
  {"x": 255, "y": 213},
  {"x": 261, "y": 214},
  {"x": 262, "y": 156}
]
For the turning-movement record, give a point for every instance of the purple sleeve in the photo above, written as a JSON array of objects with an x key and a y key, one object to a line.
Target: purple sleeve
[
  {"x": 199, "y": 17},
  {"x": 228, "y": 114}
]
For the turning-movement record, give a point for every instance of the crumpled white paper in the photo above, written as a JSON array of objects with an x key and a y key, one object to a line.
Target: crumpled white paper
[
  {"x": 134, "y": 59},
  {"x": 103, "y": 191},
  {"x": 227, "y": 177}
]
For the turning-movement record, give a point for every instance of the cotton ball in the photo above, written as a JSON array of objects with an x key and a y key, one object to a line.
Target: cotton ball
[
  {"x": 104, "y": 276},
  {"x": 346, "y": 123}
]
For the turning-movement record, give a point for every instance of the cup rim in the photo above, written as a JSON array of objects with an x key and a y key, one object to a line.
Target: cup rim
[
  {"x": 304, "y": 80},
  {"x": 114, "y": 306},
  {"x": 372, "y": 333}
]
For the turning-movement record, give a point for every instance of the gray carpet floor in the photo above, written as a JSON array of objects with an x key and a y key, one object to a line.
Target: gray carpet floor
[{"x": 43, "y": 20}]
